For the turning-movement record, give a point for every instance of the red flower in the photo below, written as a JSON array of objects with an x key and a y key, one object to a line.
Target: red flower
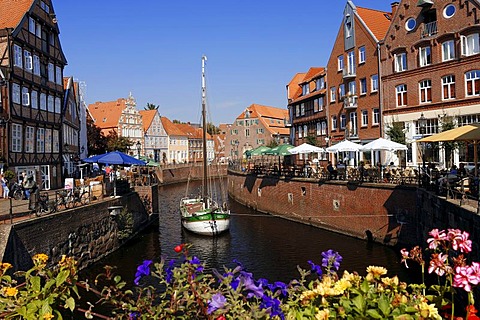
[
  {"x": 221, "y": 318},
  {"x": 472, "y": 313},
  {"x": 179, "y": 248}
]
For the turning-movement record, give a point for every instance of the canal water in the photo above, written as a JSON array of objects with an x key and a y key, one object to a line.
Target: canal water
[{"x": 267, "y": 246}]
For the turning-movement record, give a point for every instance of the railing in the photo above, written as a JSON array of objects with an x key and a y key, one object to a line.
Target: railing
[
  {"x": 350, "y": 102},
  {"x": 349, "y": 73},
  {"x": 429, "y": 29}
]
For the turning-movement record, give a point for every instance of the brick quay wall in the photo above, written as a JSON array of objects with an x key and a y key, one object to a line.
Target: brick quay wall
[{"x": 87, "y": 233}]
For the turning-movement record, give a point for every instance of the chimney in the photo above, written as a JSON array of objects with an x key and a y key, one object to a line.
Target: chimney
[{"x": 394, "y": 8}]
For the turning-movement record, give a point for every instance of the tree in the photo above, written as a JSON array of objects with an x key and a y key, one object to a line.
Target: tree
[
  {"x": 114, "y": 142},
  {"x": 396, "y": 133},
  {"x": 272, "y": 144},
  {"x": 311, "y": 140},
  {"x": 450, "y": 147},
  {"x": 151, "y": 106},
  {"x": 212, "y": 129},
  {"x": 97, "y": 142}
]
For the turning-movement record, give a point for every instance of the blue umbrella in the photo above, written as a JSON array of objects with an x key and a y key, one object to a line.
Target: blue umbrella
[{"x": 115, "y": 157}]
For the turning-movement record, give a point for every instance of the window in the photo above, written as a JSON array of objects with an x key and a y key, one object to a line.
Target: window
[
  {"x": 431, "y": 127},
  {"x": 299, "y": 131},
  {"x": 348, "y": 26},
  {"x": 36, "y": 65},
  {"x": 340, "y": 63},
  {"x": 470, "y": 44},
  {"x": 305, "y": 89},
  {"x": 449, "y": 11},
  {"x": 260, "y": 131},
  {"x": 334, "y": 123},
  {"x": 320, "y": 83},
  {"x": 16, "y": 93},
  {"x": 302, "y": 109},
  {"x": 324, "y": 127},
  {"x": 247, "y": 132},
  {"x": 16, "y": 137},
  {"x": 29, "y": 139},
  {"x": 48, "y": 140},
  {"x": 400, "y": 62},
  {"x": 28, "y": 61},
  {"x": 38, "y": 29},
  {"x": 56, "y": 144},
  {"x": 425, "y": 87},
  {"x": 305, "y": 131},
  {"x": 364, "y": 118},
  {"x": 333, "y": 94},
  {"x": 352, "y": 88},
  {"x": 17, "y": 56},
  {"x": 448, "y": 87},
  {"x": 58, "y": 75},
  {"x": 43, "y": 101},
  {"x": 343, "y": 121},
  {"x": 351, "y": 62},
  {"x": 319, "y": 128},
  {"x": 58, "y": 107},
  {"x": 472, "y": 80},
  {"x": 341, "y": 91},
  {"x": 376, "y": 116},
  {"x": 363, "y": 86},
  {"x": 321, "y": 103},
  {"x": 361, "y": 55},
  {"x": 50, "y": 103},
  {"x": 51, "y": 72},
  {"x": 401, "y": 91},
  {"x": 34, "y": 99},
  {"x": 425, "y": 56},
  {"x": 25, "y": 97},
  {"x": 31, "y": 25},
  {"x": 297, "y": 110},
  {"x": 448, "y": 50},
  {"x": 410, "y": 24},
  {"x": 374, "y": 83},
  {"x": 40, "y": 140}
]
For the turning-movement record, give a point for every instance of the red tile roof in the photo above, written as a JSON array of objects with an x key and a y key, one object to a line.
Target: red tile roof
[
  {"x": 313, "y": 73},
  {"x": 192, "y": 132},
  {"x": 12, "y": 12},
  {"x": 377, "y": 21},
  {"x": 147, "y": 118},
  {"x": 271, "y": 117},
  {"x": 294, "y": 89},
  {"x": 107, "y": 114},
  {"x": 171, "y": 128}
]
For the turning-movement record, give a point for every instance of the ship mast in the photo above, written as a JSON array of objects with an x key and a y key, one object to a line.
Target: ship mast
[{"x": 204, "y": 131}]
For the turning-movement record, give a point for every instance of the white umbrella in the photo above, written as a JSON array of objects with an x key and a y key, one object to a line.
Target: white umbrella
[
  {"x": 305, "y": 148},
  {"x": 383, "y": 144},
  {"x": 344, "y": 146}
]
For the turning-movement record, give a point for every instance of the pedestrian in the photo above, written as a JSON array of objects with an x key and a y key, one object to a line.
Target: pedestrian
[
  {"x": 4, "y": 184},
  {"x": 332, "y": 171},
  {"x": 30, "y": 186}
]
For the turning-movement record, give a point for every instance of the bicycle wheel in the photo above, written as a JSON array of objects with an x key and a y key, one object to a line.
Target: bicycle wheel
[
  {"x": 70, "y": 202},
  {"x": 85, "y": 198},
  {"x": 18, "y": 194}
]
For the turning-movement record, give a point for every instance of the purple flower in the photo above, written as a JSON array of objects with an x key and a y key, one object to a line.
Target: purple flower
[
  {"x": 217, "y": 302},
  {"x": 142, "y": 270},
  {"x": 315, "y": 268},
  {"x": 281, "y": 286},
  {"x": 273, "y": 305},
  {"x": 133, "y": 315},
  {"x": 196, "y": 262},
  {"x": 331, "y": 259},
  {"x": 169, "y": 271}
]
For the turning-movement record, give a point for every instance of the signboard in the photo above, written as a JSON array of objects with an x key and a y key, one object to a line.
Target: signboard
[{"x": 69, "y": 183}]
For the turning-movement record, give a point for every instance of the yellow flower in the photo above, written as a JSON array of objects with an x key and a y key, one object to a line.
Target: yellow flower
[
  {"x": 4, "y": 266},
  {"x": 392, "y": 282},
  {"x": 428, "y": 311},
  {"x": 322, "y": 314},
  {"x": 342, "y": 285},
  {"x": 48, "y": 316},
  {"x": 376, "y": 271},
  {"x": 40, "y": 257},
  {"x": 9, "y": 291}
]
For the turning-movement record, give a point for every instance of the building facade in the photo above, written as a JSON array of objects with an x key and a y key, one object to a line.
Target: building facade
[
  {"x": 431, "y": 67},
  {"x": 354, "y": 108},
  {"x": 155, "y": 136},
  {"x": 32, "y": 93},
  {"x": 177, "y": 143},
  {"x": 70, "y": 129}
]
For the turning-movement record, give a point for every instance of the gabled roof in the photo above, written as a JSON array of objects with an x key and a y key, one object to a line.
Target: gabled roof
[
  {"x": 12, "y": 12},
  {"x": 377, "y": 21},
  {"x": 171, "y": 128},
  {"x": 294, "y": 89},
  {"x": 192, "y": 132},
  {"x": 313, "y": 73},
  {"x": 107, "y": 114},
  {"x": 272, "y": 118},
  {"x": 147, "y": 118}
]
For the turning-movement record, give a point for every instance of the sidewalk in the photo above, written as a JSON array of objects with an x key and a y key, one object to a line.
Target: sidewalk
[{"x": 19, "y": 210}]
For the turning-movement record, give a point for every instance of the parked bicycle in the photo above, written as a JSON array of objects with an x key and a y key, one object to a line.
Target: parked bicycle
[
  {"x": 72, "y": 197},
  {"x": 43, "y": 205},
  {"x": 17, "y": 191}
]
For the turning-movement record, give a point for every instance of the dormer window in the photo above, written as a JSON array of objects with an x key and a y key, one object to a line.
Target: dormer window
[
  {"x": 247, "y": 114},
  {"x": 320, "y": 83},
  {"x": 305, "y": 89}
]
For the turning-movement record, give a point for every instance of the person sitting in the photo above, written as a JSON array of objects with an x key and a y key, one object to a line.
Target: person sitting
[
  {"x": 361, "y": 170},
  {"x": 30, "y": 186},
  {"x": 462, "y": 171},
  {"x": 332, "y": 171}
]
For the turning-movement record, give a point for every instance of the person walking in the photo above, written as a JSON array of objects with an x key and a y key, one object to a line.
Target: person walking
[{"x": 4, "y": 184}]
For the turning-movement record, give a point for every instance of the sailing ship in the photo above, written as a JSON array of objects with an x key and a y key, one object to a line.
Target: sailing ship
[{"x": 203, "y": 214}]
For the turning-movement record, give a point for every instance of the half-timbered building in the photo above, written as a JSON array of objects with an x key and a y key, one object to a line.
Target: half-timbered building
[{"x": 32, "y": 62}]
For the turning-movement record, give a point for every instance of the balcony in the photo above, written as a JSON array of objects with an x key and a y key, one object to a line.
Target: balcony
[
  {"x": 347, "y": 73},
  {"x": 429, "y": 29},
  {"x": 350, "y": 102}
]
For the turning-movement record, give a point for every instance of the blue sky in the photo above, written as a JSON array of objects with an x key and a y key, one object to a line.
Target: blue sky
[{"x": 154, "y": 48}]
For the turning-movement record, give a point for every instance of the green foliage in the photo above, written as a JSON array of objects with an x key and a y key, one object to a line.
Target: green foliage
[
  {"x": 114, "y": 142},
  {"x": 125, "y": 224},
  {"x": 395, "y": 131},
  {"x": 9, "y": 175},
  {"x": 151, "y": 106},
  {"x": 212, "y": 129},
  {"x": 97, "y": 142},
  {"x": 310, "y": 139},
  {"x": 272, "y": 144}
]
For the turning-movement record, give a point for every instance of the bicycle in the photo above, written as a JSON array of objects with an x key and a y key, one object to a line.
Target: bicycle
[
  {"x": 43, "y": 205},
  {"x": 70, "y": 198}
]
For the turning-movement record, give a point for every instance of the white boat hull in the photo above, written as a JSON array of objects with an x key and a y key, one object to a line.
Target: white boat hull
[{"x": 207, "y": 227}]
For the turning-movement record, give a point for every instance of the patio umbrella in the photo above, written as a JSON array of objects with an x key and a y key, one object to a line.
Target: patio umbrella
[
  {"x": 259, "y": 151},
  {"x": 115, "y": 157},
  {"x": 383, "y": 144},
  {"x": 305, "y": 148},
  {"x": 281, "y": 150},
  {"x": 344, "y": 146},
  {"x": 470, "y": 132}
]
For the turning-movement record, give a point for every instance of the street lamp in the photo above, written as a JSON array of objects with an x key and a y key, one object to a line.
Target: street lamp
[
  {"x": 139, "y": 148},
  {"x": 422, "y": 125}
]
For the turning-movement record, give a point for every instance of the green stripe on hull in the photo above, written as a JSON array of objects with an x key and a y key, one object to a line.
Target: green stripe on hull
[{"x": 208, "y": 216}]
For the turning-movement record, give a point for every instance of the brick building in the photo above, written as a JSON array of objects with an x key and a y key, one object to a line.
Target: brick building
[
  {"x": 353, "y": 76},
  {"x": 431, "y": 67}
]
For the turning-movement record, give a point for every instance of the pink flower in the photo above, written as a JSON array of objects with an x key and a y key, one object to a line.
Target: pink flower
[
  {"x": 466, "y": 276},
  {"x": 460, "y": 240},
  {"x": 438, "y": 237},
  {"x": 405, "y": 256},
  {"x": 437, "y": 264}
]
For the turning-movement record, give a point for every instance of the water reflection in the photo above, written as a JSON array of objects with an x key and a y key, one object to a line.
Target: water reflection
[{"x": 269, "y": 247}]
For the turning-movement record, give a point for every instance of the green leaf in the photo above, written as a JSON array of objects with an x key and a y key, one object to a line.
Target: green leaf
[
  {"x": 384, "y": 305},
  {"x": 59, "y": 315},
  {"x": 117, "y": 279},
  {"x": 374, "y": 314},
  {"x": 35, "y": 283},
  {"x": 365, "y": 286},
  {"x": 359, "y": 303},
  {"x": 70, "y": 303},
  {"x": 61, "y": 277}
]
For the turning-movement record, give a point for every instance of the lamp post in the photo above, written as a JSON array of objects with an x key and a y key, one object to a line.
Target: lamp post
[
  {"x": 139, "y": 148},
  {"x": 422, "y": 125}
]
